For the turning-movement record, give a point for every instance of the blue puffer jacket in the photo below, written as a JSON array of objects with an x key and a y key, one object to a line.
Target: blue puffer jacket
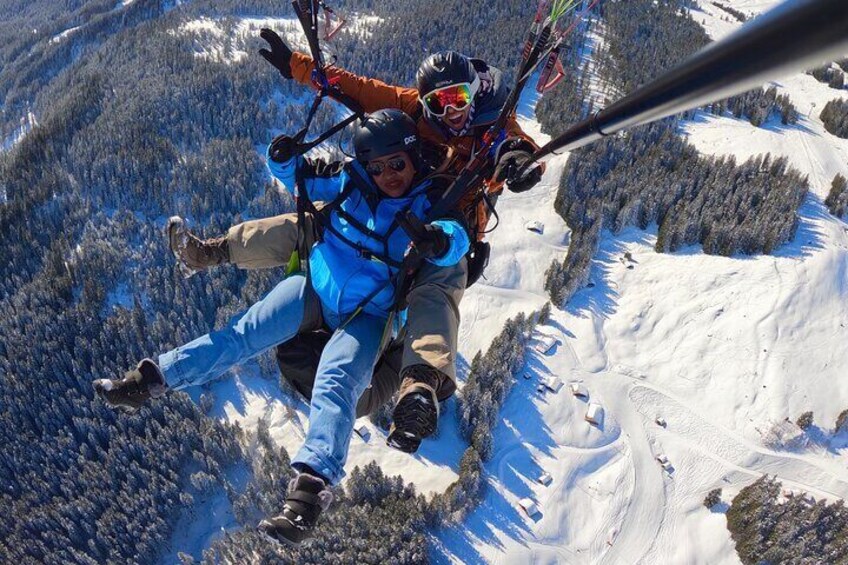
[{"x": 362, "y": 247}]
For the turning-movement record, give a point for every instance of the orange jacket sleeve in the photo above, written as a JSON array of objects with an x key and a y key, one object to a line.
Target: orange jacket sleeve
[{"x": 371, "y": 94}]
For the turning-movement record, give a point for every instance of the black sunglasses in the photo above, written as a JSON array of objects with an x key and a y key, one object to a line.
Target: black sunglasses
[{"x": 397, "y": 164}]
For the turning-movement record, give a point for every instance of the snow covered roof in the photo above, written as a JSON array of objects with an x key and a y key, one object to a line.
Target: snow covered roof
[
  {"x": 528, "y": 506},
  {"x": 545, "y": 344},
  {"x": 535, "y": 226},
  {"x": 553, "y": 383},
  {"x": 545, "y": 478},
  {"x": 579, "y": 389},
  {"x": 363, "y": 431},
  {"x": 595, "y": 414}
]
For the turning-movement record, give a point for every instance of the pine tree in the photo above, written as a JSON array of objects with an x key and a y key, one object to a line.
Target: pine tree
[
  {"x": 713, "y": 497},
  {"x": 805, "y": 421},
  {"x": 837, "y": 198},
  {"x": 841, "y": 421}
]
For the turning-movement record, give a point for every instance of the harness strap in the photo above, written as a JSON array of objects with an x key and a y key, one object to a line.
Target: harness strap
[
  {"x": 305, "y": 497},
  {"x": 361, "y": 227},
  {"x": 304, "y": 204}
]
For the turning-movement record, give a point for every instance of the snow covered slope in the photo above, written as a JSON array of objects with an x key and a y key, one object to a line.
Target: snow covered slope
[{"x": 724, "y": 349}]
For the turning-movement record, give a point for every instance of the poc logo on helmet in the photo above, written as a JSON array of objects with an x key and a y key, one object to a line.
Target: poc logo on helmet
[{"x": 409, "y": 140}]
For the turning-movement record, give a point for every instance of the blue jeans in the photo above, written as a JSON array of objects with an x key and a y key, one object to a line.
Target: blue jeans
[{"x": 344, "y": 371}]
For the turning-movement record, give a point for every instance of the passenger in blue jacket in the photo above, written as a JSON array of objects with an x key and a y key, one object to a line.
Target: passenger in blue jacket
[{"x": 349, "y": 288}]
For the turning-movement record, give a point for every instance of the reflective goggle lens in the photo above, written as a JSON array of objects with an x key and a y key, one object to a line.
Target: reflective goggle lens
[
  {"x": 456, "y": 96},
  {"x": 376, "y": 169}
]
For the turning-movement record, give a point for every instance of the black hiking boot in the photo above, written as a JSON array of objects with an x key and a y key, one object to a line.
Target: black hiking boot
[
  {"x": 416, "y": 413},
  {"x": 307, "y": 497},
  {"x": 194, "y": 254},
  {"x": 137, "y": 387}
]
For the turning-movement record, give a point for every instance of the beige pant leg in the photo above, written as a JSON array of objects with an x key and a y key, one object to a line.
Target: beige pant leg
[
  {"x": 432, "y": 327},
  {"x": 267, "y": 243}
]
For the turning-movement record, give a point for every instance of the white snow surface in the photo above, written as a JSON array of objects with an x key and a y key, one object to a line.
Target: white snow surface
[
  {"x": 724, "y": 349},
  {"x": 25, "y": 124},
  {"x": 60, "y": 36}
]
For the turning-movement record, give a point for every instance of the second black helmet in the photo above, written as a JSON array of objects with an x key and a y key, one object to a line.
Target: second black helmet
[{"x": 385, "y": 132}]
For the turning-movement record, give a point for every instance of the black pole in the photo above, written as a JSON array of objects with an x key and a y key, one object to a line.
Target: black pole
[{"x": 795, "y": 36}]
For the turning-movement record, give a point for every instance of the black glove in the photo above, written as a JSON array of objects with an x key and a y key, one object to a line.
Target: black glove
[
  {"x": 512, "y": 170},
  {"x": 280, "y": 55},
  {"x": 429, "y": 241},
  {"x": 510, "y": 161},
  {"x": 432, "y": 243},
  {"x": 282, "y": 148}
]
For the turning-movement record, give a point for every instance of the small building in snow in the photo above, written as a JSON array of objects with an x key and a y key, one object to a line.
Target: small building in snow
[
  {"x": 545, "y": 344},
  {"x": 660, "y": 421},
  {"x": 553, "y": 384},
  {"x": 528, "y": 506},
  {"x": 595, "y": 414},
  {"x": 545, "y": 479},
  {"x": 541, "y": 389},
  {"x": 363, "y": 431},
  {"x": 528, "y": 375},
  {"x": 535, "y": 226},
  {"x": 579, "y": 390}
]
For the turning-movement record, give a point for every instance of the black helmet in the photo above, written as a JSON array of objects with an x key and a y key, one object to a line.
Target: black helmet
[
  {"x": 385, "y": 132},
  {"x": 444, "y": 69}
]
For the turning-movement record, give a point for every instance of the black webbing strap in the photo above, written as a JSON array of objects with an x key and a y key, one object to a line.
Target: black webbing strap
[
  {"x": 304, "y": 205},
  {"x": 305, "y": 497}
]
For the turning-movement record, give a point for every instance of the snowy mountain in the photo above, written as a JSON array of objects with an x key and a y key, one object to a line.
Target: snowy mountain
[
  {"x": 700, "y": 364},
  {"x": 722, "y": 349}
]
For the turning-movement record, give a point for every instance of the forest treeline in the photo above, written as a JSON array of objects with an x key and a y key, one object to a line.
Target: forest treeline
[
  {"x": 650, "y": 175},
  {"x": 770, "y": 524}
]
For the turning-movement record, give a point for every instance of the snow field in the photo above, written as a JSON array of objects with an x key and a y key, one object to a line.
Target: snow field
[{"x": 723, "y": 348}]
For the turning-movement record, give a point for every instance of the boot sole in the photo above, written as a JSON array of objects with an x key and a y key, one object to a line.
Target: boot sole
[
  {"x": 103, "y": 393},
  {"x": 281, "y": 542},
  {"x": 415, "y": 417},
  {"x": 175, "y": 242}
]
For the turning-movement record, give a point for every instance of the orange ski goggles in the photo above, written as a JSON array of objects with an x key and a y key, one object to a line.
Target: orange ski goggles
[{"x": 456, "y": 96}]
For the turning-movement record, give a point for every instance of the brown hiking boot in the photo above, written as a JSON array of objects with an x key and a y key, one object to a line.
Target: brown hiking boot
[
  {"x": 416, "y": 413},
  {"x": 137, "y": 387},
  {"x": 194, "y": 254}
]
